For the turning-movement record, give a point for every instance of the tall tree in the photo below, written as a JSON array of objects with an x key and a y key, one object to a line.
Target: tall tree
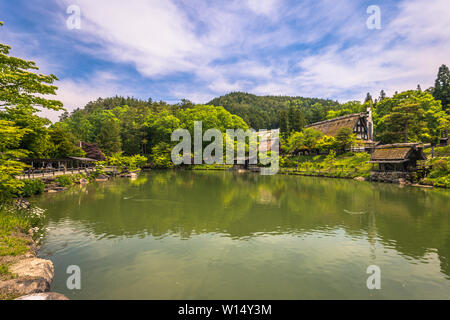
[
  {"x": 19, "y": 86},
  {"x": 284, "y": 122},
  {"x": 368, "y": 98},
  {"x": 382, "y": 96},
  {"x": 21, "y": 95},
  {"x": 442, "y": 87},
  {"x": 109, "y": 137},
  {"x": 296, "y": 119}
]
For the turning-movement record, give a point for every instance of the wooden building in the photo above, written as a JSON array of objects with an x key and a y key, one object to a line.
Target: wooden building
[
  {"x": 360, "y": 123},
  {"x": 400, "y": 157}
]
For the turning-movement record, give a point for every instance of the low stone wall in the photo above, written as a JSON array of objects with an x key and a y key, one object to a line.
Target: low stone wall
[{"x": 392, "y": 177}]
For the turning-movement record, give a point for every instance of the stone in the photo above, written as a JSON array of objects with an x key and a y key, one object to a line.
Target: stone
[
  {"x": 44, "y": 296},
  {"x": 392, "y": 177},
  {"x": 84, "y": 181},
  {"x": 102, "y": 178},
  {"x": 31, "y": 275},
  {"x": 360, "y": 179},
  {"x": 24, "y": 286},
  {"x": 34, "y": 268}
]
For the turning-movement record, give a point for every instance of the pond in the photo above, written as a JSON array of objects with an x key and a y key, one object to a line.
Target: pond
[{"x": 226, "y": 235}]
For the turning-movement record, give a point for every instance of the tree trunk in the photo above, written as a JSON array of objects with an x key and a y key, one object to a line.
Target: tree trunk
[{"x": 406, "y": 131}]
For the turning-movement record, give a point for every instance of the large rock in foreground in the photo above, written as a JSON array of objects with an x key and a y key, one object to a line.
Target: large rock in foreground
[
  {"x": 32, "y": 275},
  {"x": 44, "y": 296},
  {"x": 34, "y": 268}
]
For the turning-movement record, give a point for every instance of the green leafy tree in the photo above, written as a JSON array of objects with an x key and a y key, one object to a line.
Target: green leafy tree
[
  {"x": 109, "y": 137},
  {"x": 410, "y": 116},
  {"x": 10, "y": 137},
  {"x": 22, "y": 94},
  {"x": 345, "y": 139},
  {"x": 284, "y": 123},
  {"x": 61, "y": 143},
  {"x": 305, "y": 140},
  {"x": 296, "y": 119},
  {"x": 326, "y": 144}
]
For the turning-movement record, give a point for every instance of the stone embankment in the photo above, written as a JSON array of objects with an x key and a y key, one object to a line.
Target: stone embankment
[{"x": 29, "y": 277}]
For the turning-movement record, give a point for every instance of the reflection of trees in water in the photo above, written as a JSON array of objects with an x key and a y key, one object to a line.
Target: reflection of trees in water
[{"x": 412, "y": 220}]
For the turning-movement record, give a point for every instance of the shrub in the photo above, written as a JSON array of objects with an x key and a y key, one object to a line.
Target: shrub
[
  {"x": 31, "y": 187},
  {"x": 65, "y": 181}
]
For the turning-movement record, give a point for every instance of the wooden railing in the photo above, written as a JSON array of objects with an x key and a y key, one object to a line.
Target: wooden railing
[{"x": 51, "y": 172}]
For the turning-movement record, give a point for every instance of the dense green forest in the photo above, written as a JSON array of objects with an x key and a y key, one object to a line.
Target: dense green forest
[{"x": 265, "y": 112}]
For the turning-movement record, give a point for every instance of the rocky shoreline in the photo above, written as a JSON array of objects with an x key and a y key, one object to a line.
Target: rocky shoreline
[{"x": 29, "y": 277}]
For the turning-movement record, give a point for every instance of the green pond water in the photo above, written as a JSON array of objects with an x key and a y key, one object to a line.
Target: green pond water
[{"x": 225, "y": 235}]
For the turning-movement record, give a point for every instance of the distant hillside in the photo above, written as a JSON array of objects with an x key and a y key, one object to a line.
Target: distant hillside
[{"x": 263, "y": 112}]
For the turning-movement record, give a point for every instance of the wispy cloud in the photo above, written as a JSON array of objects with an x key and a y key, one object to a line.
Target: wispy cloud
[{"x": 199, "y": 49}]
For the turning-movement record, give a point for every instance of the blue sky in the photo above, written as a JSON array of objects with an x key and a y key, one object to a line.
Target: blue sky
[{"x": 200, "y": 49}]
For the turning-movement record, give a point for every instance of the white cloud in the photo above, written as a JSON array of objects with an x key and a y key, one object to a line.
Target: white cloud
[
  {"x": 408, "y": 51},
  {"x": 316, "y": 48},
  {"x": 265, "y": 7},
  {"x": 77, "y": 93}
]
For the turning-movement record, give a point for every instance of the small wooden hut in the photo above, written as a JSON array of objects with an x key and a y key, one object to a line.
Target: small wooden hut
[{"x": 400, "y": 157}]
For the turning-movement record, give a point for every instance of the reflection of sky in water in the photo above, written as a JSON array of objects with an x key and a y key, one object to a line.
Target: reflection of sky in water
[{"x": 216, "y": 235}]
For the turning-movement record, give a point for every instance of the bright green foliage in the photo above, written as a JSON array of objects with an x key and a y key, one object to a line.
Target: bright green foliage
[
  {"x": 345, "y": 139},
  {"x": 13, "y": 221},
  {"x": 410, "y": 116},
  {"x": 19, "y": 86},
  {"x": 348, "y": 108},
  {"x": 306, "y": 139},
  {"x": 21, "y": 97},
  {"x": 160, "y": 127},
  {"x": 348, "y": 165},
  {"x": 10, "y": 138},
  {"x": 326, "y": 144},
  {"x": 161, "y": 158},
  {"x": 126, "y": 162},
  {"x": 64, "y": 180},
  {"x": 440, "y": 173}
]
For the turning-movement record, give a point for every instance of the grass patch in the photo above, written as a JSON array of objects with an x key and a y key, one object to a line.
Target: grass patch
[
  {"x": 10, "y": 226},
  {"x": 15, "y": 222},
  {"x": 348, "y": 165},
  {"x": 69, "y": 179},
  {"x": 5, "y": 274},
  {"x": 213, "y": 166}
]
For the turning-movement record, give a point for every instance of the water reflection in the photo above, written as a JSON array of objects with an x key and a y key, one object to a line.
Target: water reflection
[{"x": 412, "y": 221}]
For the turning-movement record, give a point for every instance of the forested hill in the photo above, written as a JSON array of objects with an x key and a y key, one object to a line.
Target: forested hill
[{"x": 263, "y": 112}]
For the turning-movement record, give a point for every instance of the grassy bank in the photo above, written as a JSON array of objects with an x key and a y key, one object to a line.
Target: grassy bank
[
  {"x": 20, "y": 223},
  {"x": 348, "y": 165},
  {"x": 439, "y": 175}
]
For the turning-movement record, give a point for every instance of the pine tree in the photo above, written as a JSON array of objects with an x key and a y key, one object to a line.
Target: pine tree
[
  {"x": 296, "y": 119},
  {"x": 109, "y": 137},
  {"x": 284, "y": 122},
  {"x": 442, "y": 87},
  {"x": 368, "y": 98}
]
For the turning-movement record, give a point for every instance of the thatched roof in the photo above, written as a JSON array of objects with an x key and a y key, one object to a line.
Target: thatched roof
[
  {"x": 331, "y": 127},
  {"x": 396, "y": 153}
]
